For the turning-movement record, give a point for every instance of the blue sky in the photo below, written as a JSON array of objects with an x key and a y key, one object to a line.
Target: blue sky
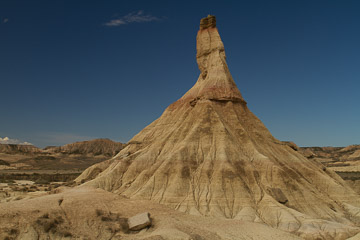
[{"x": 77, "y": 70}]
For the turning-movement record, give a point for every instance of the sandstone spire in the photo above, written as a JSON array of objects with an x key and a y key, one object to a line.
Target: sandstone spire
[
  {"x": 215, "y": 81},
  {"x": 208, "y": 154}
]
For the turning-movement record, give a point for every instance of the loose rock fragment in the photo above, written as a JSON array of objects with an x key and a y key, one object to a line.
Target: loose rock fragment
[{"x": 139, "y": 221}]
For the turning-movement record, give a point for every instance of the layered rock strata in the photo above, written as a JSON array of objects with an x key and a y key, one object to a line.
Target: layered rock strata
[{"x": 208, "y": 154}]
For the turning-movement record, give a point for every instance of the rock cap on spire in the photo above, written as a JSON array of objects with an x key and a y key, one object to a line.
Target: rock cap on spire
[
  {"x": 208, "y": 22},
  {"x": 215, "y": 81}
]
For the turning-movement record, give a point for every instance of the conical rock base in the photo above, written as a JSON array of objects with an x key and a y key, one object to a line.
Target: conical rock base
[{"x": 209, "y": 155}]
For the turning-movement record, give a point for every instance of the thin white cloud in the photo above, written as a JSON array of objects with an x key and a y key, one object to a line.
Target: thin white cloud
[
  {"x": 5, "y": 20},
  {"x": 133, "y": 17},
  {"x": 7, "y": 140}
]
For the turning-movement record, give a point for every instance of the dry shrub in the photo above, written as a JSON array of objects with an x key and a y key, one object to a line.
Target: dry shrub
[
  {"x": 99, "y": 212},
  {"x": 70, "y": 184},
  {"x": 106, "y": 218},
  {"x": 124, "y": 226},
  {"x": 49, "y": 224},
  {"x": 14, "y": 231},
  {"x": 15, "y": 188},
  {"x": 115, "y": 222},
  {"x": 112, "y": 229},
  {"x": 66, "y": 234},
  {"x": 42, "y": 181},
  {"x": 59, "y": 220}
]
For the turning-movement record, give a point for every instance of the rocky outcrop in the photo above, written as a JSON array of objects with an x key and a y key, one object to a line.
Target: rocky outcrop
[{"x": 208, "y": 154}]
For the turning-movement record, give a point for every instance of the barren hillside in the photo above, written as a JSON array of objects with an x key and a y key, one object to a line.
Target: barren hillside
[{"x": 209, "y": 155}]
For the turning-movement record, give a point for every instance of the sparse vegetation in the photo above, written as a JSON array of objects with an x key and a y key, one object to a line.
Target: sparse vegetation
[
  {"x": 3, "y": 162},
  {"x": 106, "y": 218},
  {"x": 123, "y": 224},
  {"x": 4, "y": 180},
  {"x": 49, "y": 224},
  {"x": 42, "y": 181},
  {"x": 71, "y": 184},
  {"x": 38, "y": 178},
  {"x": 99, "y": 212},
  {"x": 67, "y": 234},
  {"x": 115, "y": 222},
  {"x": 14, "y": 231}
]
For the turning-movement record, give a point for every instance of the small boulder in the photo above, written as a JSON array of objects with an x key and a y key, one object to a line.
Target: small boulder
[{"x": 139, "y": 221}]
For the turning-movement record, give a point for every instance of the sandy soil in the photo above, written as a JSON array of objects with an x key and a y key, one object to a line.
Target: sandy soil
[{"x": 85, "y": 213}]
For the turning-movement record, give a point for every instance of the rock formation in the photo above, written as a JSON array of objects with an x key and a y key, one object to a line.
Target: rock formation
[{"x": 208, "y": 154}]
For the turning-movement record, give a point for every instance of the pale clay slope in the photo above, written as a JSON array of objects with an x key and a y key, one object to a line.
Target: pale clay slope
[
  {"x": 209, "y": 155},
  {"x": 83, "y": 222}
]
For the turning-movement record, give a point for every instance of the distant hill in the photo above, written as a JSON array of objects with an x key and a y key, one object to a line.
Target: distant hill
[
  {"x": 333, "y": 155},
  {"x": 79, "y": 155},
  {"x": 94, "y": 147},
  {"x": 19, "y": 149},
  {"x": 345, "y": 161}
]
